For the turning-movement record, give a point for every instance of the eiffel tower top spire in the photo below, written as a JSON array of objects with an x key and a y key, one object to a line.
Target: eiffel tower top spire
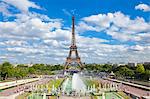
[{"x": 73, "y": 31}]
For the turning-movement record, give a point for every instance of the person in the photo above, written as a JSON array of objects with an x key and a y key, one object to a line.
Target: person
[{"x": 58, "y": 97}]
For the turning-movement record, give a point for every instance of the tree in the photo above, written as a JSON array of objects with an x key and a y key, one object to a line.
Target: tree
[
  {"x": 107, "y": 68},
  {"x": 146, "y": 75},
  {"x": 20, "y": 73},
  {"x": 6, "y": 70},
  {"x": 31, "y": 70},
  {"x": 124, "y": 71},
  {"x": 17, "y": 73},
  {"x": 129, "y": 73},
  {"x": 140, "y": 69},
  {"x": 147, "y": 66}
]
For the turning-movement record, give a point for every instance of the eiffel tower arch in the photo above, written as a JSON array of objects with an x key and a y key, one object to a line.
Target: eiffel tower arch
[{"x": 73, "y": 49}]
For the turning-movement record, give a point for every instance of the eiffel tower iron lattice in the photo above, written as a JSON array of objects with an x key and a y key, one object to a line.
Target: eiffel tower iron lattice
[{"x": 73, "y": 48}]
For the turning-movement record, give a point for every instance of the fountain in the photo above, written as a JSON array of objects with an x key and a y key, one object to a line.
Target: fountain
[
  {"x": 44, "y": 96},
  {"x": 66, "y": 86},
  {"x": 103, "y": 95},
  {"x": 77, "y": 84}
]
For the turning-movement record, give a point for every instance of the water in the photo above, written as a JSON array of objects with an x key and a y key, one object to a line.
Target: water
[
  {"x": 74, "y": 86},
  {"x": 77, "y": 84},
  {"x": 67, "y": 86}
]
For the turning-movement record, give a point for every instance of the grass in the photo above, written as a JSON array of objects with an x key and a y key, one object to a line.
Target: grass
[
  {"x": 123, "y": 95},
  {"x": 56, "y": 83},
  {"x": 91, "y": 82}
]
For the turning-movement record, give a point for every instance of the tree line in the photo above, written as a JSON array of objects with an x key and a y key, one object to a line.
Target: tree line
[
  {"x": 141, "y": 71},
  {"x": 7, "y": 70}
]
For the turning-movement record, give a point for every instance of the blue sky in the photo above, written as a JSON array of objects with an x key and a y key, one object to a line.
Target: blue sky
[
  {"x": 39, "y": 31},
  {"x": 89, "y": 7}
]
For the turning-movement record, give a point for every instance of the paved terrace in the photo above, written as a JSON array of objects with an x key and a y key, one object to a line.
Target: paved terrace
[
  {"x": 11, "y": 93},
  {"x": 4, "y": 85},
  {"x": 131, "y": 84},
  {"x": 134, "y": 89}
]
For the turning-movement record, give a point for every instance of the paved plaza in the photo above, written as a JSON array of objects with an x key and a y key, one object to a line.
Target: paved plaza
[
  {"x": 11, "y": 93},
  {"x": 4, "y": 85},
  {"x": 17, "y": 90}
]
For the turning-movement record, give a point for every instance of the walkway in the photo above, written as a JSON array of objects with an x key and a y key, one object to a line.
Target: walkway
[
  {"x": 11, "y": 96},
  {"x": 11, "y": 93},
  {"x": 128, "y": 83},
  {"x": 133, "y": 89},
  {"x": 5, "y": 85}
]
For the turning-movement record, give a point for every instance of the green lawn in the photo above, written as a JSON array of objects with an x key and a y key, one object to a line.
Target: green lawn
[{"x": 56, "y": 83}]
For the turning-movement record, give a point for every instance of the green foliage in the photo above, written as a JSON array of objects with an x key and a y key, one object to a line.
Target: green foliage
[
  {"x": 31, "y": 70},
  {"x": 98, "y": 67},
  {"x": 6, "y": 70},
  {"x": 124, "y": 71},
  {"x": 146, "y": 74},
  {"x": 20, "y": 73},
  {"x": 120, "y": 71},
  {"x": 55, "y": 82},
  {"x": 42, "y": 69},
  {"x": 107, "y": 68},
  {"x": 22, "y": 65},
  {"x": 140, "y": 69},
  {"x": 89, "y": 82},
  {"x": 147, "y": 66}
]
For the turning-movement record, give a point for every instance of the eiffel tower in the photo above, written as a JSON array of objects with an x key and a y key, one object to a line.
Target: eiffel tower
[{"x": 73, "y": 48}]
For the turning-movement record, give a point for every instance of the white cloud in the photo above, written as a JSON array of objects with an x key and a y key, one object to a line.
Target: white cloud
[
  {"x": 82, "y": 27},
  {"x": 143, "y": 7},
  {"x": 85, "y": 40},
  {"x": 51, "y": 42},
  {"x": 95, "y": 22},
  {"x": 36, "y": 38},
  {"x": 25, "y": 50},
  {"x": 34, "y": 27},
  {"x": 22, "y": 5},
  {"x": 100, "y": 19},
  {"x": 137, "y": 48},
  {"x": 117, "y": 25},
  {"x": 13, "y": 43}
]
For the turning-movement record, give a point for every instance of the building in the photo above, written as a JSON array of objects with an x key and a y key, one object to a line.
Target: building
[
  {"x": 146, "y": 63},
  {"x": 132, "y": 64},
  {"x": 121, "y": 64}
]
